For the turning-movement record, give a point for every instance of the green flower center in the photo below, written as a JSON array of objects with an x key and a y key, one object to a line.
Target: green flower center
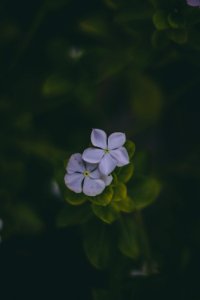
[
  {"x": 106, "y": 151},
  {"x": 86, "y": 173}
]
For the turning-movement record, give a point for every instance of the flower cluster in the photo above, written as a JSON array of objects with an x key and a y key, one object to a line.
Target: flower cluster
[{"x": 90, "y": 172}]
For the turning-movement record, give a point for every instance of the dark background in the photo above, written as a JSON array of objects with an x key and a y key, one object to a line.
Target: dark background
[{"x": 70, "y": 66}]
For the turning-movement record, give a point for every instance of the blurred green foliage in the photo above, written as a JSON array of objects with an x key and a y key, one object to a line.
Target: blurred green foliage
[{"x": 130, "y": 66}]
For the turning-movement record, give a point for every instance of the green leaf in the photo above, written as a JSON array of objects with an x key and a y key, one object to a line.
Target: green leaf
[
  {"x": 125, "y": 173},
  {"x": 100, "y": 294},
  {"x": 55, "y": 85},
  {"x": 160, "y": 20},
  {"x": 95, "y": 26},
  {"x": 74, "y": 198},
  {"x": 104, "y": 198},
  {"x": 128, "y": 238},
  {"x": 179, "y": 36},
  {"x": 22, "y": 219},
  {"x": 71, "y": 215},
  {"x": 120, "y": 192},
  {"x": 105, "y": 213},
  {"x": 130, "y": 147},
  {"x": 97, "y": 243},
  {"x": 146, "y": 101},
  {"x": 145, "y": 191},
  {"x": 175, "y": 20},
  {"x": 125, "y": 205}
]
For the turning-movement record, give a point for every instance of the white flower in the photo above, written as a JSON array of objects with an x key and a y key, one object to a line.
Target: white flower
[
  {"x": 109, "y": 153},
  {"x": 85, "y": 177}
]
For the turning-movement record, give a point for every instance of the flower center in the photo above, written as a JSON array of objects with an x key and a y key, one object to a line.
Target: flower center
[
  {"x": 86, "y": 173},
  {"x": 106, "y": 151}
]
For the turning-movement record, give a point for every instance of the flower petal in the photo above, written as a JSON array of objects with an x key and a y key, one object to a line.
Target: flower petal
[
  {"x": 107, "y": 164},
  {"x": 121, "y": 156},
  {"x": 116, "y": 140},
  {"x": 92, "y": 155},
  {"x": 75, "y": 164},
  {"x": 90, "y": 167},
  {"x": 99, "y": 138},
  {"x": 95, "y": 174},
  {"x": 107, "y": 179},
  {"x": 93, "y": 187},
  {"x": 74, "y": 182}
]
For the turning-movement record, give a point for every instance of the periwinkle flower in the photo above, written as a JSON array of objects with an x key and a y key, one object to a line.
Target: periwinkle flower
[
  {"x": 193, "y": 3},
  {"x": 110, "y": 152},
  {"x": 85, "y": 177}
]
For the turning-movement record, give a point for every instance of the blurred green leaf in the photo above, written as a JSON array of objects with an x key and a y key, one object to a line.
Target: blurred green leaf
[
  {"x": 145, "y": 191},
  {"x": 107, "y": 214},
  {"x": 179, "y": 36},
  {"x": 176, "y": 20},
  {"x": 137, "y": 14},
  {"x": 147, "y": 101},
  {"x": 21, "y": 218},
  {"x": 111, "y": 3},
  {"x": 41, "y": 148},
  {"x": 120, "y": 192},
  {"x": 71, "y": 215},
  {"x": 55, "y": 85},
  {"x": 95, "y": 26},
  {"x": 113, "y": 62},
  {"x": 160, "y": 20},
  {"x": 130, "y": 147},
  {"x": 128, "y": 240},
  {"x": 124, "y": 205},
  {"x": 74, "y": 198},
  {"x": 97, "y": 243},
  {"x": 104, "y": 198},
  {"x": 125, "y": 173},
  {"x": 100, "y": 294}
]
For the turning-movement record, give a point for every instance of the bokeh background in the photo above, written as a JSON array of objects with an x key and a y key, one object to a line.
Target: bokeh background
[{"x": 68, "y": 66}]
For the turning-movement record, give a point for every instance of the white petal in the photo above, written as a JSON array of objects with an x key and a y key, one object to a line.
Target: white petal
[
  {"x": 93, "y": 187},
  {"x": 75, "y": 164},
  {"x": 107, "y": 164},
  {"x": 99, "y": 138},
  {"x": 95, "y": 174},
  {"x": 74, "y": 182},
  {"x": 92, "y": 155},
  {"x": 121, "y": 156},
  {"x": 116, "y": 140},
  {"x": 107, "y": 179}
]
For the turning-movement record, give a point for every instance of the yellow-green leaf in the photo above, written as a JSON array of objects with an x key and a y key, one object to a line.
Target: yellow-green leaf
[
  {"x": 107, "y": 214},
  {"x": 104, "y": 198},
  {"x": 128, "y": 238}
]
